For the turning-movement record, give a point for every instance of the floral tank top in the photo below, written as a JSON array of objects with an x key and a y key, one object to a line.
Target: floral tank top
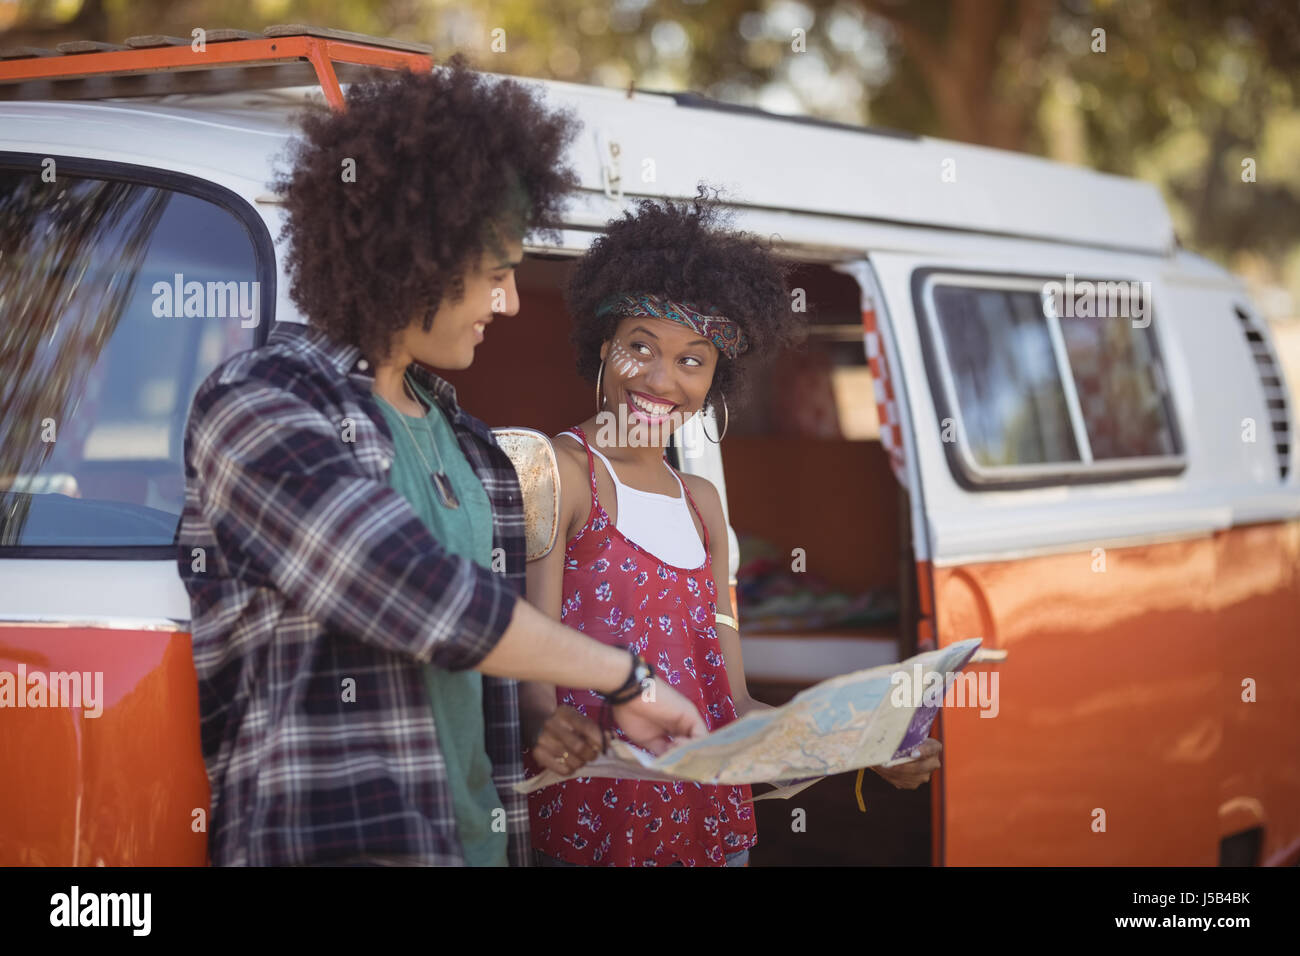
[{"x": 620, "y": 594}]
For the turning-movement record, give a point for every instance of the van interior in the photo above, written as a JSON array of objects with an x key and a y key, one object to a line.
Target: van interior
[{"x": 826, "y": 583}]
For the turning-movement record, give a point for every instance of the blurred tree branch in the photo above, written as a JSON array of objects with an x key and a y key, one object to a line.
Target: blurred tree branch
[{"x": 35, "y": 27}]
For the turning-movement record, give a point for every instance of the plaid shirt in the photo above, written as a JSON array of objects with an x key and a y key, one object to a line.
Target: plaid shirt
[{"x": 317, "y": 597}]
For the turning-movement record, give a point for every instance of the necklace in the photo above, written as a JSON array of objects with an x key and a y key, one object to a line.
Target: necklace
[{"x": 441, "y": 483}]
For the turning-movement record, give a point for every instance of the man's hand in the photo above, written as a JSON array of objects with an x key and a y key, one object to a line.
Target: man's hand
[
  {"x": 567, "y": 741},
  {"x": 910, "y": 775},
  {"x": 666, "y": 713}
]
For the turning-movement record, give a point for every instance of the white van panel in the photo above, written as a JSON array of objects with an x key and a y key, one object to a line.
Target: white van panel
[
  {"x": 1213, "y": 384},
  {"x": 859, "y": 173},
  {"x": 102, "y": 593},
  {"x": 666, "y": 149},
  {"x": 876, "y": 196},
  {"x": 236, "y": 155}
]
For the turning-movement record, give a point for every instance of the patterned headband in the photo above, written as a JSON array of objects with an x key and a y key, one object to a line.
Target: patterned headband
[{"x": 726, "y": 334}]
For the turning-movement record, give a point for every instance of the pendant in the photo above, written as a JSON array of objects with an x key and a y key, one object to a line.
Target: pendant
[{"x": 446, "y": 496}]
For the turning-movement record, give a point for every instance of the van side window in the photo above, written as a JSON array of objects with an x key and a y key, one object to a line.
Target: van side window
[
  {"x": 1121, "y": 388},
  {"x": 1009, "y": 388},
  {"x": 117, "y": 299},
  {"x": 1029, "y": 394}
]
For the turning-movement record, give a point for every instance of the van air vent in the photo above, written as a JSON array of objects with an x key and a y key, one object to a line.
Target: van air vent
[{"x": 1275, "y": 394}]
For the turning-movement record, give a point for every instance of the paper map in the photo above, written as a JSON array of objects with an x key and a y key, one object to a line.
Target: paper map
[{"x": 868, "y": 718}]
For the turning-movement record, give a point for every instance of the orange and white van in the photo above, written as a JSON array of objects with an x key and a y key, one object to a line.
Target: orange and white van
[{"x": 1023, "y": 413}]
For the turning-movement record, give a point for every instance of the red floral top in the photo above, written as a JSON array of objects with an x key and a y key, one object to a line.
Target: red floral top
[{"x": 620, "y": 594}]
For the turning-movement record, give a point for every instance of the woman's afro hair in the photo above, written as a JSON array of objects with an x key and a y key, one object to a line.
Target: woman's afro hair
[
  {"x": 685, "y": 251},
  {"x": 391, "y": 201}
]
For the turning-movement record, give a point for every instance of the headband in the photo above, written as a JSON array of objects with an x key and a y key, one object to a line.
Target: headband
[{"x": 725, "y": 333}]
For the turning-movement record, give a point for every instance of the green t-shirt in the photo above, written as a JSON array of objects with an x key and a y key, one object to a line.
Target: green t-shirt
[{"x": 457, "y": 696}]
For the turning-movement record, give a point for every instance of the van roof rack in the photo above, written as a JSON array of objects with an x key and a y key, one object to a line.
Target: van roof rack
[{"x": 227, "y": 60}]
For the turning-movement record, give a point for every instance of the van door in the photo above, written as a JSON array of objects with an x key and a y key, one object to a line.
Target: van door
[
  {"x": 121, "y": 288},
  {"x": 1059, "y": 526}
]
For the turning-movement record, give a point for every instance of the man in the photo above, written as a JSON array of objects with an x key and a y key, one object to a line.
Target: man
[{"x": 356, "y": 619}]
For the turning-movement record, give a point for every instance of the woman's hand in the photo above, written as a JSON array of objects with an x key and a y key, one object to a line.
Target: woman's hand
[
  {"x": 910, "y": 775},
  {"x": 567, "y": 741},
  {"x": 658, "y": 717}
]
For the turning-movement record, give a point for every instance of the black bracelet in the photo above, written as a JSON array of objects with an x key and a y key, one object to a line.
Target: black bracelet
[
  {"x": 625, "y": 692},
  {"x": 631, "y": 688}
]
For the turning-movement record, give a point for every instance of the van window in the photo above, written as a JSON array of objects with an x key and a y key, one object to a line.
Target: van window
[
  {"x": 1029, "y": 395},
  {"x": 1009, "y": 387},
  {"x": 1121, "y": 388},
  {"x": 117, "y": 298}
]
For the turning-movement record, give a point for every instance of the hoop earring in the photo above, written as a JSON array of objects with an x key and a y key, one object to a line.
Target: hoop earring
[
  {"x": 726, "y": 420},
  {"x": 600, "y": 398}
]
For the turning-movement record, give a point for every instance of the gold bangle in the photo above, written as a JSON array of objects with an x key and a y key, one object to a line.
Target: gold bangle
[{"x": 728, "y": 620}]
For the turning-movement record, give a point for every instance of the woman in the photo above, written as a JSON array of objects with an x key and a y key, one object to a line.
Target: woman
[{"x": 669, "y": 309}]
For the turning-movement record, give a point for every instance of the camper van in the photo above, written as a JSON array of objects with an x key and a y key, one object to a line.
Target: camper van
[{"x": 1022, "y": 413}]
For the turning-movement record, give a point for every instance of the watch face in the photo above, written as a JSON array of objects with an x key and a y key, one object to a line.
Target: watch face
[{"x": 642, "y": 672}]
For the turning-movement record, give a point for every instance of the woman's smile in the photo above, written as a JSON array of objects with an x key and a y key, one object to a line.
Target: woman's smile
[{"x": 649, "y": 408}]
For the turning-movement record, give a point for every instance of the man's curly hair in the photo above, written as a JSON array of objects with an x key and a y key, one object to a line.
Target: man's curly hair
[
  {"x": 687, "y": 252},
  {"x": 446, "y": 163}
]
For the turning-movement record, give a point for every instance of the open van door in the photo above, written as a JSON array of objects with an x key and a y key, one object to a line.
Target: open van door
[
  {"x": 896, "y": 437},
  {"x": 1053, "y": 519}
]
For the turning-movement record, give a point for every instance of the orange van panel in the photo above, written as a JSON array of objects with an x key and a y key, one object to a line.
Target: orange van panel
[
  {"x": 1125, "y": 733},
  {"x": 118, "y": 789}
]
